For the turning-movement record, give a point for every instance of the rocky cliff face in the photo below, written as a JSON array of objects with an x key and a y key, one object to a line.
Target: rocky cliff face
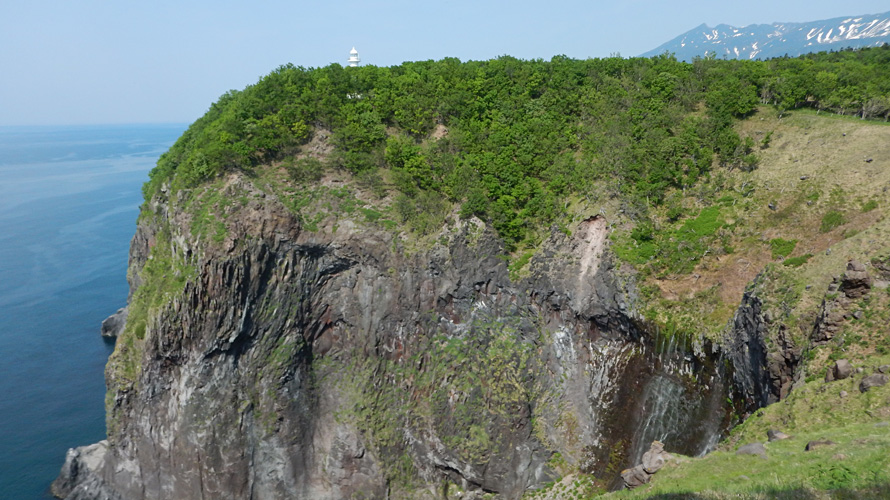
[
  {"x": 276, "y": 362},
  {"x": 761, "y": 351}
]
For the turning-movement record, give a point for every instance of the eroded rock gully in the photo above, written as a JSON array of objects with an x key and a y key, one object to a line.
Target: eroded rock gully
[{"x": 335, "y": 364}]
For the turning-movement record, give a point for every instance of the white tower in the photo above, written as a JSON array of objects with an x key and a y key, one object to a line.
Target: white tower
[{"x": 353, "y": 58}]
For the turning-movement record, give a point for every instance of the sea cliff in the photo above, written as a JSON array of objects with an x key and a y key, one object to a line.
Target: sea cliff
[{"x": 336, "y": 363}]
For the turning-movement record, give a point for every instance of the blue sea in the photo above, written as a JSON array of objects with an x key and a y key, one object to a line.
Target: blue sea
[{"x": 69, "y": 197}]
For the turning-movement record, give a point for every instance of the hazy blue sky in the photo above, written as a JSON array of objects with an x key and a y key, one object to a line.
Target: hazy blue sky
[{"x": 105, "y": 61}]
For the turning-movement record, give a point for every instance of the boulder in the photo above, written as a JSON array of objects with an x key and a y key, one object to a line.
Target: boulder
[
  {"x": 653, "y": 460},
  {"x": 842, "y": 369},
  {"x": 752, "y": 449},
  {"x": 812, "y": 445},
  {"x": 855, "y": 266},
  {"x": 884, "y": 368},
  {"x": 775, "y": 435},
  {"x": 873, "y": 380},
  {"x": 856, "y": 282},
  {"x": 635, "y": 476}
]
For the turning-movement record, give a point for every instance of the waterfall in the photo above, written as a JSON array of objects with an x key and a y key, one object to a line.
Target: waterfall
[{"x": 680, "y": 404}]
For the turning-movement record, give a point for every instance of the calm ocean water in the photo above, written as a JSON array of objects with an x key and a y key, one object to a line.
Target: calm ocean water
[{"x": 69, "y": 197}]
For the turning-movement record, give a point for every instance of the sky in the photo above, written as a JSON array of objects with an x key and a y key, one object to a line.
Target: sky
[{"x": 66, "y": 62}]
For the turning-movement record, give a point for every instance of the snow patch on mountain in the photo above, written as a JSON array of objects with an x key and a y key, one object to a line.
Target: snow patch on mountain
[{"x": 778, "y": 39}]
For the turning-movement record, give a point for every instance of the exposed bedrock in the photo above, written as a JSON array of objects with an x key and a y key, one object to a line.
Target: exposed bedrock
[
  {"x": 113, "y": 325},
  {"x": 761, "y": 353},
  {"x": 335, "y": 364}
]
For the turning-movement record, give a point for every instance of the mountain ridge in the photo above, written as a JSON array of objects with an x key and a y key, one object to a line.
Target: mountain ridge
[{"x": 763, "y": 41}]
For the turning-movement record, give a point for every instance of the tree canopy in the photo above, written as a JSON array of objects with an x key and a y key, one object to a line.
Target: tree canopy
[{"x": 522, "y": 135}]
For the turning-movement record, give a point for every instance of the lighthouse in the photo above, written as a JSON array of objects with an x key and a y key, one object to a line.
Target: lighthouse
[{"x": 353, "y": 58}]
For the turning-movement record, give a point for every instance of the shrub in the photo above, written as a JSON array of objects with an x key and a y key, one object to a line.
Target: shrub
[
  {"x": 304, "y": 169},
  {"x": 797, "y": 261},
  {"x": 831, "y": 220},
  {"x": 766, "y": 140},
  {"x": 782, "y": 248}
]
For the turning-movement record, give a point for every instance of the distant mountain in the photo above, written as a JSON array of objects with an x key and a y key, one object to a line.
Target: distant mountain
[{"x": 763, "y": 41}]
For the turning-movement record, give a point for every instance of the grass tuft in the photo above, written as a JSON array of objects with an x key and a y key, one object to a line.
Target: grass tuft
[{"x": 831, "y": 220}]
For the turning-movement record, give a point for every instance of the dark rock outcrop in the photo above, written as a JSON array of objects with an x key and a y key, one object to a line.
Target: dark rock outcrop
[
  {"x": 881, "y": 265},
  {"x": 80, "y": 478},
  {"x": 763, "y": 375},
  {"x": 635, "y": 476},
  {"x": 655, "y": 458},
  {"x": 838, "y": 302},
  {"x": 873, "y": 380},
  {"x": 113, "y": 325},
  {"x": 812, "y": 445},
  {"x": 747, "y": 349},
  {"x": 829, "y": 322},
  {"x": 856, "y": 281}
]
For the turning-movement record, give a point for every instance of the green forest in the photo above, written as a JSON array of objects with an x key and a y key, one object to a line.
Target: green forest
[{"x": 522, "y": 136}]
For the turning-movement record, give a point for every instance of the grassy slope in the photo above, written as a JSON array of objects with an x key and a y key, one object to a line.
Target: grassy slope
[
  {"x": 837, "y": 179},
  {"x": 856, "y": 467}
]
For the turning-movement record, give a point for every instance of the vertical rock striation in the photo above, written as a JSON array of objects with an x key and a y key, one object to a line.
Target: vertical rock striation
[{"x": 335, "y": 364}]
